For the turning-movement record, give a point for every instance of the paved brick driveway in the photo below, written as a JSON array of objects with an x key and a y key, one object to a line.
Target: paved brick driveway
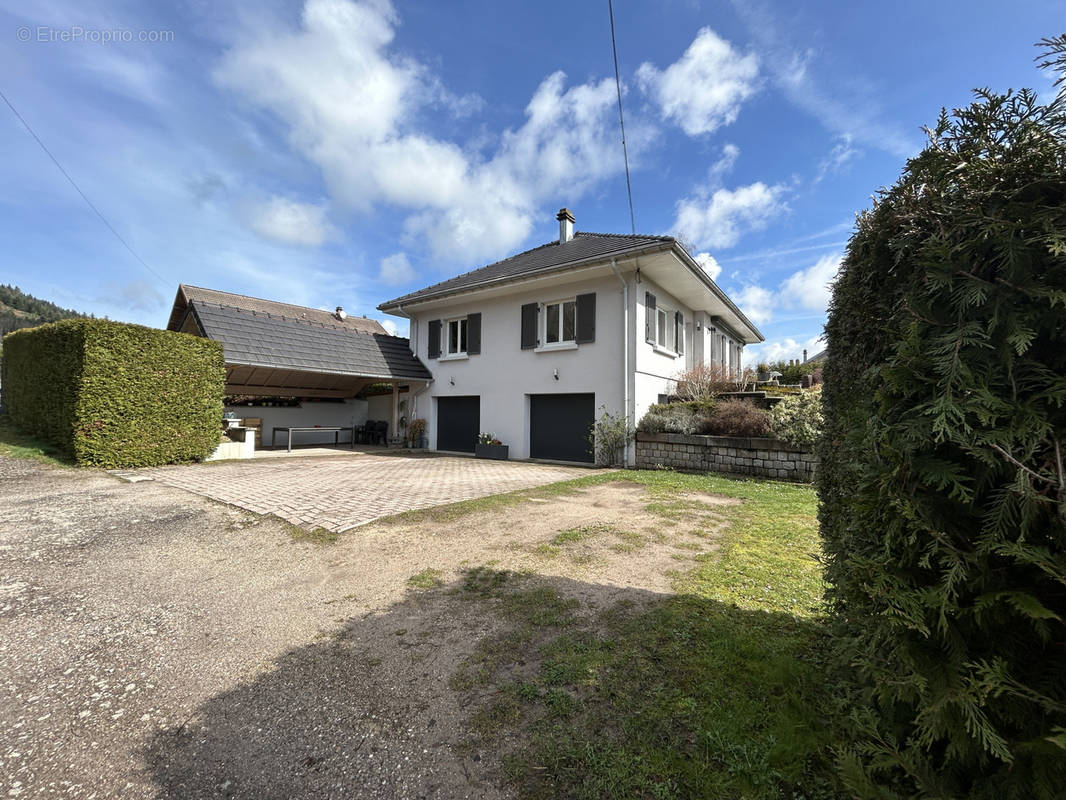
[{"x": 342, "y": 492}]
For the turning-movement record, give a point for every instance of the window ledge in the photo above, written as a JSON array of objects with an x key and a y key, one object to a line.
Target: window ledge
[
  {"x": 548, "y": 348},
  {"x": 454, "y": 357},
  {"x": 664, "y": 351}
]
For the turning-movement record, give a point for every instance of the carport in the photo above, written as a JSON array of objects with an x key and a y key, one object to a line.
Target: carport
[{"x": 282, "y": 350}]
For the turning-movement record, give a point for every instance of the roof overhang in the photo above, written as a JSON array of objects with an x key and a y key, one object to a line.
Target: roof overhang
[
  {"x": 666, "y": 263},
  {"x": 266, "y": 381}
]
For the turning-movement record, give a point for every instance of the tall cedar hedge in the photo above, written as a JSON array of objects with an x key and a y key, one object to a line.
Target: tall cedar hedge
[
  {"x": 116, "y": 395},
  {"x": 942, "y": 485}
]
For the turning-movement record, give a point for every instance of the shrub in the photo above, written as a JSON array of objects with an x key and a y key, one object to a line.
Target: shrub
[
  {"x": 797, "y": 419},
  {"x": 610, "y": 435},
  {"x": 705, "y": 381},
  {"x": 738, "y": 418},
  {"x": 792, "y": 373},
  {"x": 941, "y": 479},
  {"x": 684, "y": 417},
  {"x": 116, "y": 395}
]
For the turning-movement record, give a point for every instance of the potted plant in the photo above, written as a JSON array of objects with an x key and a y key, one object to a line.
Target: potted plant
[
  {"x": 488, "y": 446},
  {"x": 764, "y": 372},
  {"x": 416, "y": 432}
]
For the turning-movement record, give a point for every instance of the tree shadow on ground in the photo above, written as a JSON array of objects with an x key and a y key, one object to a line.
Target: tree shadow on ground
[{"x": 500, "y": 684}]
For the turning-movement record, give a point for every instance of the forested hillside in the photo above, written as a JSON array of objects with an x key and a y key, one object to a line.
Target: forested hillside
[{"x": 21, "y": 310}]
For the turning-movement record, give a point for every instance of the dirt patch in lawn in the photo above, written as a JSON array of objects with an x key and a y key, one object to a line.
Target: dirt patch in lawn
[{"x": 609, "y": 537}]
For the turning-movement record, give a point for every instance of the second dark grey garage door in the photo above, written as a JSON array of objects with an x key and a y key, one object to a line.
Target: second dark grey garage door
[
  {"x": 559, "y": 426},
  {"x": 458, "y": 419}
]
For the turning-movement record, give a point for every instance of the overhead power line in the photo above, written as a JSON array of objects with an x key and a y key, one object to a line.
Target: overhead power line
[
  {"x": 621, "y": 121},
  {"x": 77, "y": 188}
]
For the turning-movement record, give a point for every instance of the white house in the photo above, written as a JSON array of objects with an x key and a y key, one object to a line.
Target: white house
[{"x": 533, "y": 347}]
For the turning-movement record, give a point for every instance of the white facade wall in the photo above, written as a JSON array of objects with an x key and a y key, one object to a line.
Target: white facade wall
[{"x": 504, "y": 375}]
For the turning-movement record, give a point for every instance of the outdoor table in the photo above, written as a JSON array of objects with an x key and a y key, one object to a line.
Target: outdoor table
[{"x": 327, "y": 429}]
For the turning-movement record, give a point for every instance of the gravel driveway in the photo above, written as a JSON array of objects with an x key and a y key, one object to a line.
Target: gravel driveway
[{"x": 136, "y": 620}]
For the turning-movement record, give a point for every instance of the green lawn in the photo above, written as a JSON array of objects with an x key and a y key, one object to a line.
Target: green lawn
[
  {"x": 16, "y": 444},
  {"x": 718, "y": 692}
]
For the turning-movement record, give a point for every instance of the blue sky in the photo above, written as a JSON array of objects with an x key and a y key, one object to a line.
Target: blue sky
[{"x": 342, "y": 153}]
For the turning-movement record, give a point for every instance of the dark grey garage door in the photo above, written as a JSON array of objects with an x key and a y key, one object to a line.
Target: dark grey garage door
[
  {"x": 458, "y": 419},
  {"x": 559, "y": 426}
]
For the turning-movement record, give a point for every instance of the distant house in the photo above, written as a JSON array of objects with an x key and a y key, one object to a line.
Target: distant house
[
  {"x": 531, "y": 347},
  {"x": 326, "y": 359}
]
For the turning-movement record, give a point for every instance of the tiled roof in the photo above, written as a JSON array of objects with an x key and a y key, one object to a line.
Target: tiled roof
[
  {"x": 187, "y": 294},
  {"x": 256, "y": 339},
  {"x": 582, "y": 247}
]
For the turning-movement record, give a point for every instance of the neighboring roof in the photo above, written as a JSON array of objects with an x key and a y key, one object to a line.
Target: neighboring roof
[
  {"x": 818, "y": 357},
  {"x": 187, "y": 294},
  {"x": 546, "y": 258},
  {"x": 252, "y": 338}
]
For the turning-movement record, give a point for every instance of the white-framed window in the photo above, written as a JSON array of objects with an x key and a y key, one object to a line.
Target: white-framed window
[
  {"x": 454, "y": 337},
  {"x": 559, "y": 322},
  {"x": 669, "y": 330}
]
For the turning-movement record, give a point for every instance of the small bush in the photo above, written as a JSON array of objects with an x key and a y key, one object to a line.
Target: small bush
[
  {"x": 792, "y": 373},
  {"x": 609, "y": 437},
  {"x": 111, "y": 395},
  {"x": 797, "y": 419},
  {"x": 738, "y": 418},
  {"x": 685, "y": 417}
]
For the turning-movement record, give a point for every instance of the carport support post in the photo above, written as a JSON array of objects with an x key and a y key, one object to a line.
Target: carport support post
[{"x": 395, "y": 429}]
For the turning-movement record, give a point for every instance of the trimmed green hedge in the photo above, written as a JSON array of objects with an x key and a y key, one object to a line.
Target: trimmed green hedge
[{"x": 116, "y": 395}]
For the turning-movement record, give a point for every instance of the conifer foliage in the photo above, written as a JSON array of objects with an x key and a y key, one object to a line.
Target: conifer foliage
[{"x": 942, "y": 480}]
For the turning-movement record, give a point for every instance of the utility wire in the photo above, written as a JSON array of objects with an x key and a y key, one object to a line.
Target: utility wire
[
  {"x": 621, "y": 121},
  {"x": 77, "y": 188}
]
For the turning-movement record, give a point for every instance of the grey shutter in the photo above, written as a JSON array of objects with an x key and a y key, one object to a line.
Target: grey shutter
[
  {"x": 586, "y": 318},
  {"x": 529, "y": 326},
  {"x": 473, "y": 334},
  {"x": 434, "y": 338},
  {"x": 679, "y": 332},
  {"x": 649, "y": 317}
]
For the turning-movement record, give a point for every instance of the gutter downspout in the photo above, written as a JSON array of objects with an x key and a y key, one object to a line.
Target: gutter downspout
[{"x": 625, "y": 353}]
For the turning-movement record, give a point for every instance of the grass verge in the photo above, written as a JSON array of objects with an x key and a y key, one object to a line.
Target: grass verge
[
  {"x": 717, "y": 692},
  {"x": 16, "y": 444}
]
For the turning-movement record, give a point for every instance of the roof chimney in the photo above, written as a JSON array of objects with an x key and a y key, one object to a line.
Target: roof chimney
[
  {"x": 566, "y": 225},
  {"x": 339, "y": 314}
]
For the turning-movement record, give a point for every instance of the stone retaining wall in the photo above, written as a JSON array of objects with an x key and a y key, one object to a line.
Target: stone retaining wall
[{"x": 741, "y": 455}]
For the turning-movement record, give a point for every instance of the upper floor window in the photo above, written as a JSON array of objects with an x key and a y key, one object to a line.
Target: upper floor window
[
  {"x": 455, "y": 338},
  {"x": 560, "y": 322},
  {"x": 665, "y": 326}
]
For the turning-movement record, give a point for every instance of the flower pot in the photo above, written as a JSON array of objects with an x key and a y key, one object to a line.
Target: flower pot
[{"x": 495, "y": 451}]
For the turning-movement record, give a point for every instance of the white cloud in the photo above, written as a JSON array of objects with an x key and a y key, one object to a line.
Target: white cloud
[
  {"x": 756, "y": 302},
  {"x": 848, "y": 106},
  {"x": 396, "y": 270},
  {"x": 724, "y": 165},
  {"x": 290, "y": 222},
  {"x": 719, "y": 219},
  {"x": 353, "y": 105},
  {"x": 782, "y": 350},
  {"x": 709, "y": 264},
  {"x": 811, "y": 288},
  {"x": 390, "y": 327},
  {"x": 705, "y": 88},
  {"x": 838, "y": 158}
]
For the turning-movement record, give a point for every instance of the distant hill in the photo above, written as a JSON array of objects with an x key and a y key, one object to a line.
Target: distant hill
[{"x": 21, "y": 310}]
